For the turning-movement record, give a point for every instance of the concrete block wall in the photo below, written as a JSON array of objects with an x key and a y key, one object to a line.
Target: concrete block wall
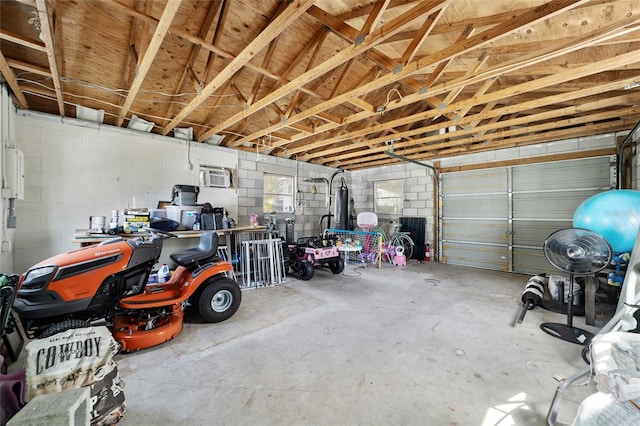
[
  {"x": 75, "y": 169},
  {"x": 418, "y": 193},
  {"x": 310, "y": 207}
]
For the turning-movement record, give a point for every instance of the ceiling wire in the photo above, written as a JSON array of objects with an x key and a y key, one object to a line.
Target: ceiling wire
[
  {"x": 389, "y": 94},
  {"x": 118, "y": 92},
  {"x": 53, "y": 98}
]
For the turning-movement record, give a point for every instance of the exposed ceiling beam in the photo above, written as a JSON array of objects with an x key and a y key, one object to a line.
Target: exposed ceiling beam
[
  {"x": 195, "y": 50},
  {"x": 211, "y": 57},
  {"x": 144, "y": 65},
  {"x": 374, "y": 17},
  {"x": 350, "y": 34},
  {"x": 298, "y": 98},
  {"x": 260, "y": 77},
  {"x": 293, "y": 11},
  {"x": 417, "y": 41},
  {"x": 595, "y": 129},
  {"x": 47, "y": 35},
  {"x": 45, "y": 72},
  {"x": 22, "y": 41},
  {"x": 338, "y": 59},
  {"x": 406, "y": 146},
  {"x": 590, "y": 128},
  {"x": 467, "y": 147},
  {"x": 545, "y": 53},
  {"x": 10, "y": 77},
  {"x": 483, "y": 115},
  {"x": 463, "y": 46},
  {"x": 211, "y": 47}
]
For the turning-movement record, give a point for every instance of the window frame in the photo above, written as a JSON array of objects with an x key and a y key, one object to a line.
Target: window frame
[
  {"x": 283, "y": 195},
  {"x": 399, "y": 197}
]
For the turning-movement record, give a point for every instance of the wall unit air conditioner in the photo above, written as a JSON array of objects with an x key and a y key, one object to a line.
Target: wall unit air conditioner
[{"x": 215, "y": 177}]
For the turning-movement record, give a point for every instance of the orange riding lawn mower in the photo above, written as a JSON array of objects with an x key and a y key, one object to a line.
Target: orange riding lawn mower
[{"x": 107, "y": 284}]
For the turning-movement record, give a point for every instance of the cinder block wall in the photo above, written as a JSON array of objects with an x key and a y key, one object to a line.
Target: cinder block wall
[
  {"x": 309, "y": 207},
  {"x": 75, "y": 169},
  {"x": 418, "y": 193}
]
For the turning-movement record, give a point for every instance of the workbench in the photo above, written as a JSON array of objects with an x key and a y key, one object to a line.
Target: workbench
[
  {"x": 186, "y": 239},
  {"x": 85, "y": 239}
]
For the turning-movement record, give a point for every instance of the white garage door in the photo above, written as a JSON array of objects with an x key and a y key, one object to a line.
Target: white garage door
[{"x": 498, "y": 218}]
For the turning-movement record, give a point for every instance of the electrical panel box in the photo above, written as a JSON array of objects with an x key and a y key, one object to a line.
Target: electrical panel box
[
  {"x": 14, "y": 174},
  {"x": 215, "y": 177}
]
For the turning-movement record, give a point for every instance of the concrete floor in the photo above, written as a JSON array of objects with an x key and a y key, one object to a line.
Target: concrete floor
[{"x": 426, "y": 344}]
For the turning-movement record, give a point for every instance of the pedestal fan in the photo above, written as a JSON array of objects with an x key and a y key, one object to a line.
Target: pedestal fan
[{"x": 576, "y": 251}]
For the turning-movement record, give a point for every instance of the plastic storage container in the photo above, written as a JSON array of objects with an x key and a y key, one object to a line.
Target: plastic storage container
[
  {"x": 184, "y": 195},
  {"x": 184, "y": 215}
]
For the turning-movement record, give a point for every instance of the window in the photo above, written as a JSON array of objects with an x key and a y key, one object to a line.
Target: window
[
  {"x": 278, "y": 193},
  {"x": 388, "y": 196}
]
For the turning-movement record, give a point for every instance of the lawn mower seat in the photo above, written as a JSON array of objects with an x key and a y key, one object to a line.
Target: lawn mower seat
[
  {"x": 367, "y": 220},
  {"x": 207, "y": 250}
]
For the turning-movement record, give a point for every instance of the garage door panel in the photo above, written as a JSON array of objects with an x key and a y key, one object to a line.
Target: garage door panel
[
  {"x": 475, "y": 182},
  {"x": 476, "y": 255},
  {"x": 585, "y": 173},
  {"x": 549, "y": 205},
  {"x": 494, "y": 232},
  {"x": 531, "y": 261},
  {"x": 510, "y": 211},
  {"x": 532, "y": 233},
  {"x": 475, "y": 206}
]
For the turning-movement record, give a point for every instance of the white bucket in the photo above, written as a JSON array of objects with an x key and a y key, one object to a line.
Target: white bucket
[{"x": 97, "y": 222}]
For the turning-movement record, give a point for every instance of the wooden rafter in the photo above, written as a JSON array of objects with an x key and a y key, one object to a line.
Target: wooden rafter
[
  {"x": 470, "y": 72},
  {"x": 145, "y": 63},
  {"x": 427, "y": 27},
  {"x": 138, "y": 42},
  {"x": 10, "y": 77},
  {"x": 22, "y": 41},
  {"x": 599, "y": 128},
  {"x": 341, "y": 57},
  {"x": 462, "y": 46},
  {"x": 374, "y": 17},
  {"x": 193, "y": 54},
  {"x": 290, "y": 14},
  {"x": 216, "y": 39},
  {"x": 350, "y": 34},
  {"x": 47, "y": 35},
  {"x": 214, "y": 106},
  {"x": 437, "y": 73},
  {"x": 178, "y": 32},
  {"x": 365, "y": 10},
  {"x": 265, "y": 63},
  {"x": 298, "y": 98},
  {"x": 545, "y": 53},
  {"x": 478, "y": 93},
  {"x": 404, "y": 145},
  {"x": 19, "y": 65},
  {"x": 468, "y": 146},
  {"x": 537, "y": 130}
]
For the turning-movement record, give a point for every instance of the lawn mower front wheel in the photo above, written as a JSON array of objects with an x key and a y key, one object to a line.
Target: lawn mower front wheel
[{"x": 219, "y": 300}]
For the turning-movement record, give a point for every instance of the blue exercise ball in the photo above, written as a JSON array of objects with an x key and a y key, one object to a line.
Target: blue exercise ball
[{"x": 613, "y": 214}]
